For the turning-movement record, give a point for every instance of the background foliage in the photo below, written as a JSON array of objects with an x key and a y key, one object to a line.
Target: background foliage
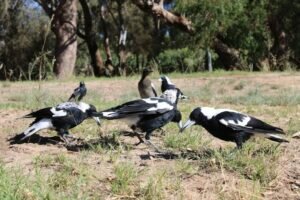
[{"x": 261, "y": 34}]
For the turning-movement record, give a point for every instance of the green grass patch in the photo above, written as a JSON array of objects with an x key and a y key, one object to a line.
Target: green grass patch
[{"x": 125, "y": 176}]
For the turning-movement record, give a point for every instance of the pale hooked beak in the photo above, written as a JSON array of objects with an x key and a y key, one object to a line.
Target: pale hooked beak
[
  {"x": 97, "y": 119},
  {"x": 180, "y": 125},
  {"x": 160, "y": 79},
  {"x": 187, "y": 124},
  {"x": 183, "y": 97}
]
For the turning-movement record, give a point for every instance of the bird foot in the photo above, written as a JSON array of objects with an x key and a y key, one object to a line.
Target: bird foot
[{"x": 149, "y": 143}]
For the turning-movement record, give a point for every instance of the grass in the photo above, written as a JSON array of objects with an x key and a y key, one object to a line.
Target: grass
[
  {"x": 125, "y": 176},
  {"x": 108, "y": 166}
]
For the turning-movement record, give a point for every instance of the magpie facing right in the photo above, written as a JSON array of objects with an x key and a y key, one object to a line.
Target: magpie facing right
[
  {"x": 79, "y": 92},
  {"x": 230, "y": 125},
  {"x": 60, "y": 118},
  {"x": 166, "y": 84},
  {"x": 146, "y": 115}
]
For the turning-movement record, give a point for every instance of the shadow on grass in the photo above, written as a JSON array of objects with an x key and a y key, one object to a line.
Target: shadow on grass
[
  {"x": 106, "y": 142},
  {"x": 186, "y": 154},
  {"x": 34, "y": 139}
]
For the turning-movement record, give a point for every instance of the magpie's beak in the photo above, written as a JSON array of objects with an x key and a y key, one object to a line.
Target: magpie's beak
[
  {"x": 160, "y": 79},
  {"x": 97, "y": 119},
  {"x": 187, "y": 125},
  {"x": 183, "y": 97},
  {"x": 180, "y": 125}
]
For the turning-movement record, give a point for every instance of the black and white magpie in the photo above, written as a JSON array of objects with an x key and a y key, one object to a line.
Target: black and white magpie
[
  {"x": 145, "y": 86},
  {"x": 146, "y": 115},
  {"x": 166, "y": 84},
  {"x": 60, "y": 118},
  {"x": 230, "y": 125},
  {"x": 78, "y": 92}
]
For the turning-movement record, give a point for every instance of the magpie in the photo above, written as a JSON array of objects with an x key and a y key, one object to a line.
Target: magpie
[
  {"x": 60, "y": 118},
  {"x": 146, "y": 115},
  {"x": 231, "y": 125},
  {"x": 166, "y": 84},
  {"x": 145, "y": 86},
  {"x": 79, "y": 92}
]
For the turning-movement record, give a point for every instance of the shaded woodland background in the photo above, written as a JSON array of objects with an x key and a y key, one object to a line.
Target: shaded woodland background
[{"x": 41, "y": 39}]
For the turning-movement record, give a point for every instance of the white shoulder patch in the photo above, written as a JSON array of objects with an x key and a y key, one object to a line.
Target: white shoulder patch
[
  {"x": 150, "y": 100},
  {"x": 210, "y": 112},
  {"x": 161, "y": 106},
  {"x": 58, "y": 113}
]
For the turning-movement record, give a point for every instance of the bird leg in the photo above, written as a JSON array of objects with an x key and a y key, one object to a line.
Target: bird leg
[
  {"x": 149, "y": 143},
  {"x": 140, "y": 139}
]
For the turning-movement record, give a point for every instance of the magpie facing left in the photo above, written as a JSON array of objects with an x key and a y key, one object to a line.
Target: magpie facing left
[
  {"x": 60, "y": 118},
  {"x": 79, "y": 92},
  {"x": 230, "y": 125},
  {"x": 146, "y": 115}
]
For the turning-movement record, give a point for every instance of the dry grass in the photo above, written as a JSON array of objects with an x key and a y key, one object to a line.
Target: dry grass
[{"x": 109, "y": 166}]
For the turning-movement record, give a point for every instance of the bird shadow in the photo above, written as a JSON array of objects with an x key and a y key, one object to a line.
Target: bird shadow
[
  {"x": 104, "y": 142},
  {"x": 34, "y": 139},
  {"x": 186, "y": 154}
]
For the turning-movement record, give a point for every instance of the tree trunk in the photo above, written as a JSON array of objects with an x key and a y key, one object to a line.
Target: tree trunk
[
  {"x": 228, "y": 56},
  {"x": 108, "y": 62},
  {"x": 122, "y": 41},
  {"x": 64, "y": 27},
  {"x": 90, "y": 38}
]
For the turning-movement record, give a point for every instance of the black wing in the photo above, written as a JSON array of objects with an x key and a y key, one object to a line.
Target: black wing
[
  {"x": 140, "y": 107},
  {"x": 241, "y": 122},
  {"x": 42, "y": 113}
]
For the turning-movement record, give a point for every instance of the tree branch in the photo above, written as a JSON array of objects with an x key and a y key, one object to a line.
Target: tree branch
[{"x": 157, "y": 10}]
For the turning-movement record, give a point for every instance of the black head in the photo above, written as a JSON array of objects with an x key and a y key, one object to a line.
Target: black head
[
  {"x": 81, "y": 84},
  {"x": 177, "y": 118},
  {"x": 196, "y": 114},
  {"x": 195, "y": 118},
  {"x": 90, "y": 111},
  {"x": 166, "y": 83},
  {"x": 146, "y": 71}
]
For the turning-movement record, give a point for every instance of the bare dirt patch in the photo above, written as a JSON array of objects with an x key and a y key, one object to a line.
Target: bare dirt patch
[{"x": 176, "y": 183}]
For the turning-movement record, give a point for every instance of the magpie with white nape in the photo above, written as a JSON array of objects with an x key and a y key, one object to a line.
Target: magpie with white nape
[
  {"x": 166, "y": 84},
  {"x": 230, "y": 125},
  {"x": 60, "y": 118},
  {"x": 145, "y": 115},
  {"x": 145, "y": 86},
  {"x": 79, "y": 92}
]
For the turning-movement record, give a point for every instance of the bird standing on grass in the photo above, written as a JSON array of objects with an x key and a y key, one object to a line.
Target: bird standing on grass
[
  {"x": 79, "y": 92},
  {"x": 146, "y": 115},
  {"x": 60, "y": 118},
  {"x": 166, "y": 84},
  {"x": 145, "y": 86},
  {"x": 230, "y": 125}
]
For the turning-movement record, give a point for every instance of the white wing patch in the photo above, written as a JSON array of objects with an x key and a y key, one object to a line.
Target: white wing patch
[
  {"x": 210, "y": 112},
  {"x": 161, "y": 106},
  {"x": 243, "y": 123},
  {"x": 58, "y": 113},
  {"x": 109, "y": 114}
]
